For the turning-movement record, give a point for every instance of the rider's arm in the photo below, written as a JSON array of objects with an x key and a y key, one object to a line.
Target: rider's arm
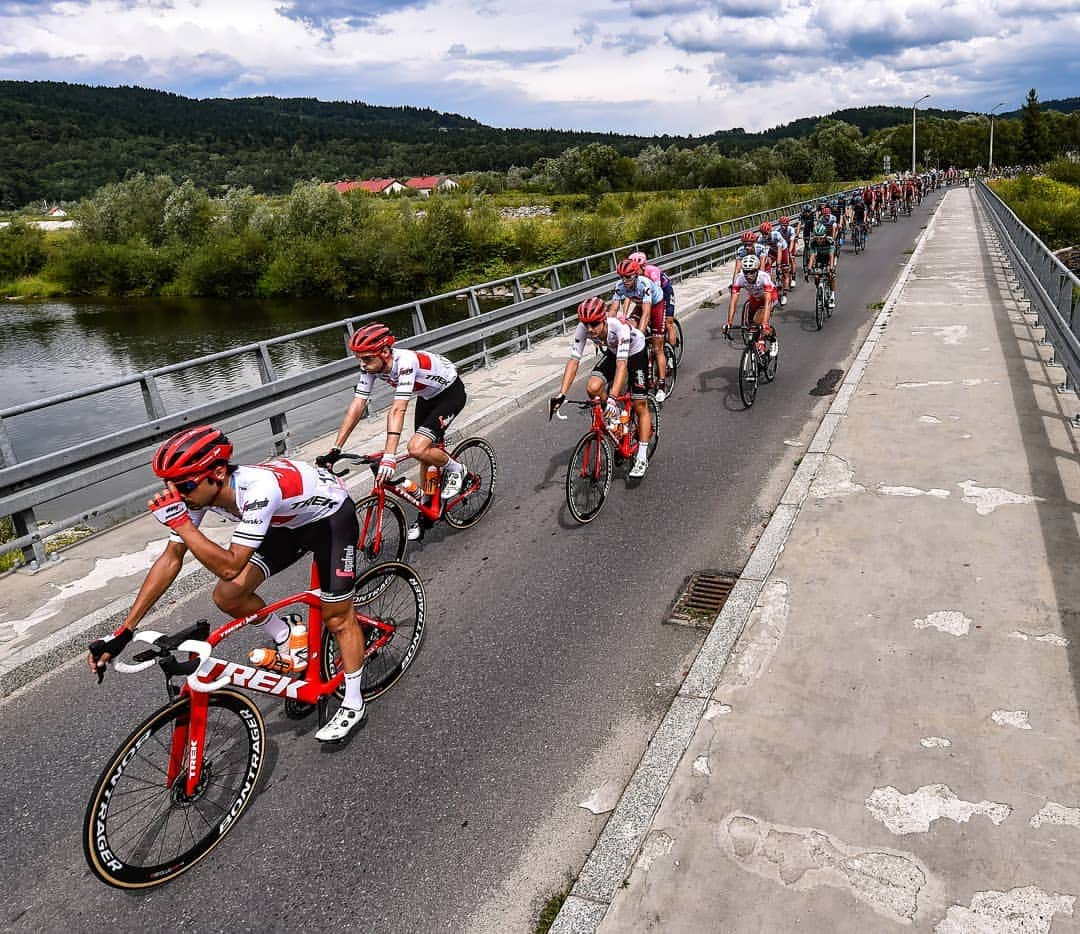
[
  {"x": 353, "y": 414},
  {"x": 618, "y": 382},
  {"x": 158, "y": 579},
  {"x": 731, "y": 305},
  {"x": 569, "y": 372},
  {"x": 395, "y": 422},
  {"x": 226, "y": 563}
]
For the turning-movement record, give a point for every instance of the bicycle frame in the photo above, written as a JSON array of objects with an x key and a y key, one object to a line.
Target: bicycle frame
[
  {"x": 625, "y": 444},
  {"x": 215, "y": 673},
  {"x": 433, "y": 510}
]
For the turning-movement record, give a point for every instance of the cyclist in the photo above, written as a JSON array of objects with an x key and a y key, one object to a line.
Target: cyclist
[
  {"x": 858, "y": 219},
  {"x": 658, "y": 275},
  {"x": 823, "y": 252},
  {"x": 640, "y": 302},
  {"x": 762, "y": 295},
  {"x": 284, "y": 509},
  {"x": 440, "y": 396},
  {"x": 787, "y": 259},
  {"x": 624, "y": 359},
  {"x": 777, "y": 246}
]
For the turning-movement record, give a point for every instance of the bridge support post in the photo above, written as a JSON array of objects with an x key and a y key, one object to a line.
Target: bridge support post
[{"x": 279, "y": 425}]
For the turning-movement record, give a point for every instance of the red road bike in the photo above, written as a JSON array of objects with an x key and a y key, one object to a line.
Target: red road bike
[
  {"x": 588, "y": 478},
  {"x": 383, "y": 527},
  {"x": 184, "y": 776}
]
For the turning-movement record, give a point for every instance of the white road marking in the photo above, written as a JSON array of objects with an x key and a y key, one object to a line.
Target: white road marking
[
  {"x": 935, "y": 742},
  {"x": 950, "y": 621},
  {"x": 988, "y": 498},
  {"x": 1015, "y": 718},
  {"x": 1058, "y": 814},
  {"x": 1027, "y": 910}
]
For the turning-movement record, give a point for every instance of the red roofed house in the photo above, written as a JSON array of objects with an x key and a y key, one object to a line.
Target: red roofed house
[
  {"x": 426, "y": 184},
  {"x": 376, "y": 186}
]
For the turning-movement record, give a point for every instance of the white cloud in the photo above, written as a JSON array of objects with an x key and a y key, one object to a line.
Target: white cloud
[{"x": 649, "y": 66}]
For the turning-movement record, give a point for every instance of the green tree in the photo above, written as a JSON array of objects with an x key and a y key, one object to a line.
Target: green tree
[
  {"x": 1035, "y": 142},
  {"x": 22, "y": 250}
]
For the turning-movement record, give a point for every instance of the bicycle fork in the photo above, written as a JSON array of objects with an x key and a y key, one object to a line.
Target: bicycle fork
[{"x": 189, "y": 742}]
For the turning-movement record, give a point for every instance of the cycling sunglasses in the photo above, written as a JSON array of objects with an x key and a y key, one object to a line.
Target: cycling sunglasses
[{"x": 189, "y": 486}]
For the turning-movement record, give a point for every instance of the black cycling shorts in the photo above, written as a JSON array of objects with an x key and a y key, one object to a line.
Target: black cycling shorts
[
  {"x": 433, "y": 416},
  {"x": 332, "y": 543},
  {"x": 637, "y": 366}
]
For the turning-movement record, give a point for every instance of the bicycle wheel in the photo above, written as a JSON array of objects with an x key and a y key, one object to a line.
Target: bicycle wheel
[
  {"x": 393, "y": 540},
  {"x": 142, "y": 830},
  {"x": 479, "y": 461},
  {"x": 819, "y": 307},
  {"x": 678, "y": 345},
  {"x": 654, "y": 416},
  {"x": 393, "y": 622},
  {"x": 748, "y": 375},
  {"x": 768, "y": 369},
  {"x": 828, "y": 306},
  {"x": 588, "y": 478}
]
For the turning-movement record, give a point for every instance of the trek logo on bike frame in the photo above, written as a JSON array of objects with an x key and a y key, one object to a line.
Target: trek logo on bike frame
[{"x": 254, "y": 679}]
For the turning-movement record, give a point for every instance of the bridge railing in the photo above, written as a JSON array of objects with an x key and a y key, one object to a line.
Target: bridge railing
[
  {"x": 1050, "y": 286},
  {"x": 110, "y": 470}
]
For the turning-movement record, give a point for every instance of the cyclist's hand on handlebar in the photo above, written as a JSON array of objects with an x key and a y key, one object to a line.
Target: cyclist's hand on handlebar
[
  {"x": 612, "y": 408},
  {"x": 727, "y": 332},
  {"x": 169, "y": 508},
  {"x": 329, "y": 458},
  {"x": 103, "y": 650},
  {"x": 555, "y": 403},
  {"x": 387, "y": 465}
]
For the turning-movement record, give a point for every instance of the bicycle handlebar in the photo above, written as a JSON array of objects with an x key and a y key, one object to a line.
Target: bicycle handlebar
[{"x": 160, "y": 653}]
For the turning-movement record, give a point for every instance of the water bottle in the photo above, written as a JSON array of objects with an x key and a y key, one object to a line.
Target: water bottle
[
  {"x": 624, "y": 422},
  {"x": 431, "y": 480},
  {"x": 408, "y": 486},
  {"x": 298, "y": 647}
]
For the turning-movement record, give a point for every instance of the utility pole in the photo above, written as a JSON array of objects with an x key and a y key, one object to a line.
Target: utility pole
[
  {"x": 919, "y": 101},
  {"x": 990, "y": 160}
]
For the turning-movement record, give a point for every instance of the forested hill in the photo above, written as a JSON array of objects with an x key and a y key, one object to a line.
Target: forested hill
[{"x": 64, "y": 141}]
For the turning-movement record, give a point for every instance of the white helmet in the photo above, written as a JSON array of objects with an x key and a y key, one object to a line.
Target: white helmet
[{"x": 750, "y": 263}]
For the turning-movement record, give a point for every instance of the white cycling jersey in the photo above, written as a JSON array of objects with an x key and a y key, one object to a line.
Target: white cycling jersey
[
  {"x": 420, "y": 372},
  {"x": 623, "y": 340},
  {"x": 280, "y": 493},
  {"x": 757, "y": 289}
]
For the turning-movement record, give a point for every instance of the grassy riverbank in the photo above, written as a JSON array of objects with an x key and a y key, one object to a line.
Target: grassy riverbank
[
  {"x": 146, "y": 237},
  {"x": 1048, "y": 204}
]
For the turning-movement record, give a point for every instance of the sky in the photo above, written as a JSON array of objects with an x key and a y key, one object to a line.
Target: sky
[{"x": 628, "y": 66}]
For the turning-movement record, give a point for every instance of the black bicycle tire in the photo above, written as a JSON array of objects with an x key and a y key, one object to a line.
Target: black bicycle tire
[
  {"x": 819, "y": 310},
  {"x": 768, "y": 371},
  {"x": 376, "y": 682},
  {"x": 586, "y": 516},
  {"x": 748, "y": 375},
  {"x": 679, "y": 345},
  {"x": 101, "y": 856},
  {"x": 449, "y": 515}
]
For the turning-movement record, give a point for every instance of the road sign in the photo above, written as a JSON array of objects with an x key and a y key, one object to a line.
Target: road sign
[{"x": 886, "y": 168}]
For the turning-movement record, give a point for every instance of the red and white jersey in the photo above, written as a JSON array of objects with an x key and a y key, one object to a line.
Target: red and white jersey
[
  {"x": 420, "y": 372},
  {"x": 763, "y": 283},
  {"x": 622, "y": 339},
  {"x": 281, "y": 492}
]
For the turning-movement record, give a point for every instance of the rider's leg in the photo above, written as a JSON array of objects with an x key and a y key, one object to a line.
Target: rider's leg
[{"x": 237, "y": 598}]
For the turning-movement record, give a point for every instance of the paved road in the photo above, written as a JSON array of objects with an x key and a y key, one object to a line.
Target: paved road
[{"x": 544, "y": 672}]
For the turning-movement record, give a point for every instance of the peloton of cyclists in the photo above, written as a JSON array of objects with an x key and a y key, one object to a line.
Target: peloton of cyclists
[
  {"x": 624, "y": 361},
  {"x": 440, "y": 396},
  {"x": 283, "y": 510}
]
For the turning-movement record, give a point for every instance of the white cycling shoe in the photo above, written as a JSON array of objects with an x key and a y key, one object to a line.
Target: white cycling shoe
[
  {"x": 453, "y": 483},
  {"x": 341, "y": 724},
  {"x": 639, "y": 468}
]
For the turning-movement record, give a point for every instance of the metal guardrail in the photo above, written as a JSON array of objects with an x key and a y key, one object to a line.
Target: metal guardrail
[
  {"x": 1050, "y": 286},
  {"x": 474, "y": 340}
]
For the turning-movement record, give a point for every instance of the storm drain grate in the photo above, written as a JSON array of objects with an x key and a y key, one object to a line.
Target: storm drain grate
[{"x": 702, "y": 599}]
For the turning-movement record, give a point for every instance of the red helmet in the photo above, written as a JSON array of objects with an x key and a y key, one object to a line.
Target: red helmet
[
  {"x": 592, "y": 310},
  {"x": 629, "y": 267},
  {"x": 191, "y": 452},
  {"x": 748, "y": 236},
  {"x": 785, "y": 220},
  {"x": 826, "y": 212},
  {"x": 370, "y": 339},
  {"x": 765, "y": 228}
]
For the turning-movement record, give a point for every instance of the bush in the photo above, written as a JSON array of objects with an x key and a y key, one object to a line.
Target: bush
[
  {"x": 1064, "y": 170},
  {"x": 89, "y": 267},
  {"x": 226, "y": 266},
  {"x": 22, "y": 250},
  {"x": 1050, "y": 208}
]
